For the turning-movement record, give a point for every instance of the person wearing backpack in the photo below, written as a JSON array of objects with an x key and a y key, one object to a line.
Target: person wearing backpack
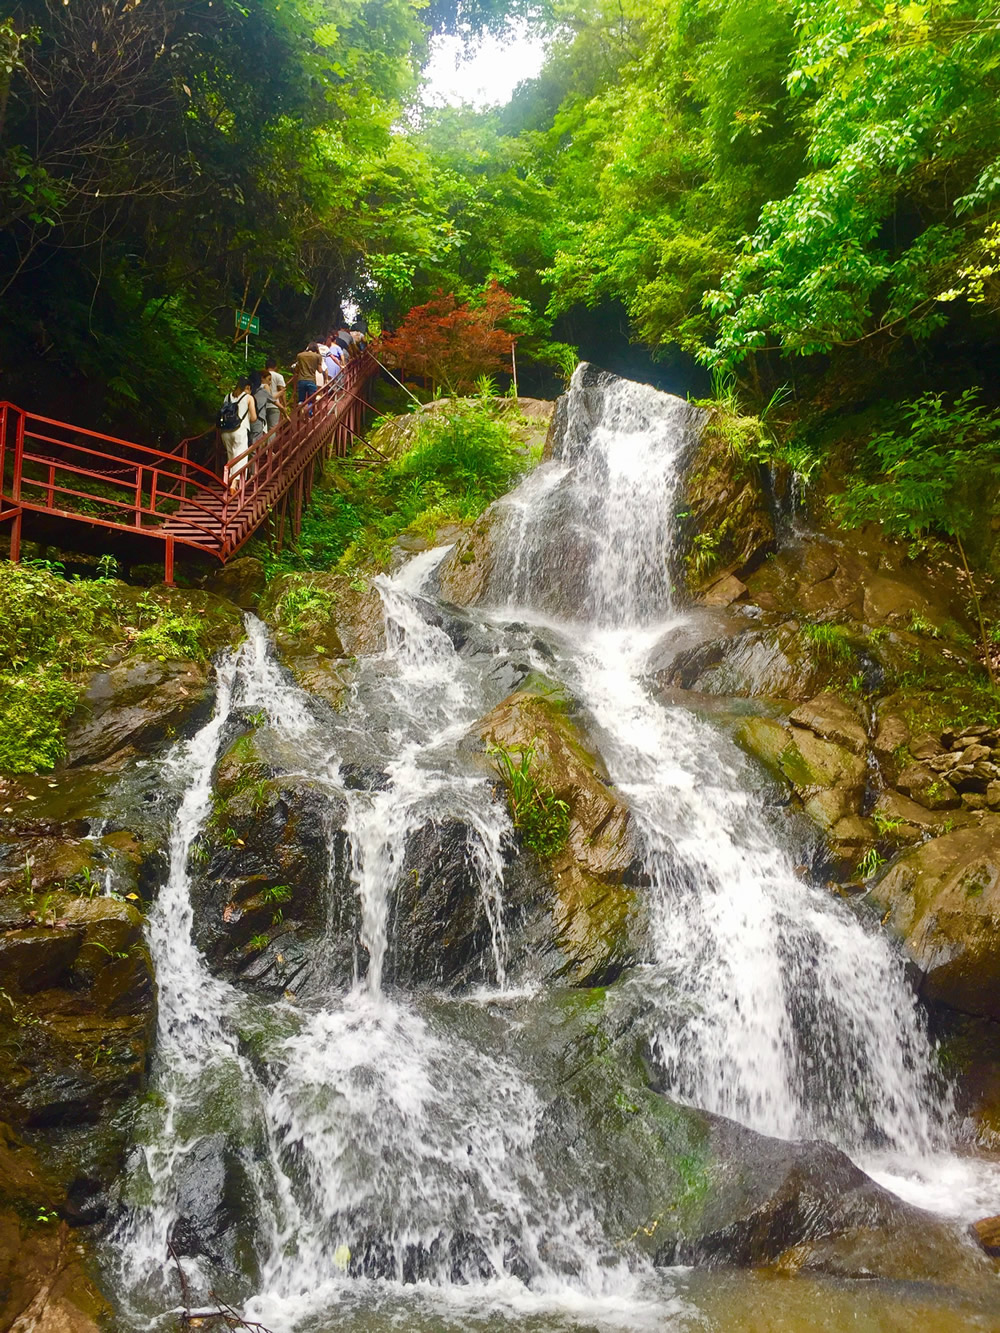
[{"x": 237, "y": 414}]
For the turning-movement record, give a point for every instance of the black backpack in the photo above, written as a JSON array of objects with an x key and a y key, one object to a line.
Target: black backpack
[{"x": 230, "y": 416}]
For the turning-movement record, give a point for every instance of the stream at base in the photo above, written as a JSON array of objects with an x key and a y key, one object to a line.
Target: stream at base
[{"x": 393, "y": 1150}]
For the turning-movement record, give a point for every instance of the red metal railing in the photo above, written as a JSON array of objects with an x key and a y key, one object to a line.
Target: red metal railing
[{"x": 81, "y": 475}]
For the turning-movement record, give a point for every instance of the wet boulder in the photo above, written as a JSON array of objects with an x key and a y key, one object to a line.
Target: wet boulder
[
  {"x": 135, "y": 706},
  {"x": 943, "y": 900},
  {"x": 465, "y": 573},
  {"x": 443, "y": 929},
  {"x": 216, "y": 1203},
  {"x": 321, "y": 623},
  {"x": 819, "y": 752},
  {"x": 270, "y": 873},
  {"x": 589, "y": 881},
  {"x": 242, "y": 581},
  {"x": 77, "y": 986},
  {"x": 783, "y": 661},
  {"x": 682, "y": 1185}
]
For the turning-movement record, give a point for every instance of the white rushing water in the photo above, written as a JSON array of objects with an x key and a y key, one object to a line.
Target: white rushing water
[
  {"x": 387, "y": 1137},
  {"x": 777, "y": 1007}
]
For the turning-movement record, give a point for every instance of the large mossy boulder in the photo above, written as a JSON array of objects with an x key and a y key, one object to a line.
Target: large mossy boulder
[
  {"x": 943, "y": 900},
  {"x": 592, "y": 878},
  {"x": 684, "y": 1186}
]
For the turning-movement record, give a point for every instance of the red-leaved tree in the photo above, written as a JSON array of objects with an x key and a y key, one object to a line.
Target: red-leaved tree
[{"x": 451, "y": 344}]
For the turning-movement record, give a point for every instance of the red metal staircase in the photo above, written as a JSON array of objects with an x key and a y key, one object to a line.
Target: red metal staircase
[{"x": 52, "y": 470}]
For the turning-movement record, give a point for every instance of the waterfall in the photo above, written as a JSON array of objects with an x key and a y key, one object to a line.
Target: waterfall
[
  {"x": 774, "y": 1004},
  {"x": 390, "y": 1138}
]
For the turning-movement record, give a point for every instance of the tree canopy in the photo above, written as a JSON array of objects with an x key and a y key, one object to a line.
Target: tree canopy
[{"x": 753, "y": 183}]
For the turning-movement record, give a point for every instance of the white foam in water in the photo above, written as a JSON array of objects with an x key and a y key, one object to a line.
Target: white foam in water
[{"x": 385, "y": 1143}]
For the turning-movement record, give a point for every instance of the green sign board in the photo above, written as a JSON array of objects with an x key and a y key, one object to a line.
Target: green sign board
[{"x": 245, "y": 323}]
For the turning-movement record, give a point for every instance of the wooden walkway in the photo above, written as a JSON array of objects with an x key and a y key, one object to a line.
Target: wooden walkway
[{"x": 52, "y": 470}]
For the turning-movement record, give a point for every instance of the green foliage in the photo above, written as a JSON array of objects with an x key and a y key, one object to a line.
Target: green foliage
[
  {"x": 303, "y": 606},
  {"x": 830, "y": 642},
  {"x": 870, "y": 863},
  {"x": 918, "y": 478},
  {"x": 463, "y": 455},
  {"x": 538, "y": 815},
  {"x": 52, "y": 631}
]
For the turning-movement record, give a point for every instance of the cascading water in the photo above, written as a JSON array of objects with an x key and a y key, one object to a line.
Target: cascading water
[
  {"x": 393, "y": 1136},
  {"x": 776, "y": 1007}
]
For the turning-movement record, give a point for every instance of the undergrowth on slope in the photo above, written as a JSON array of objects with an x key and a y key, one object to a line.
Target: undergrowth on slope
[
  {"x": 54, "y": 630},
  {"x": 463, "y": 456}
]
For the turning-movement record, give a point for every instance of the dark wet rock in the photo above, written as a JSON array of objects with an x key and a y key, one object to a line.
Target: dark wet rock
[
  {"x": 685, "y": 1186},
  {"x": 943, "y": 900},
  {"x": 242, "y": 581},
  {"x": 440, "y": 930},
  {"x": 263, "y": 871},
  {"x": 136, "y": 706},
  {"x": 766, "y": 1196},
  {"x": 771, "y": 661},
  {"x": 77, "y": 988},
  {"x": 217, "y": 1205}
]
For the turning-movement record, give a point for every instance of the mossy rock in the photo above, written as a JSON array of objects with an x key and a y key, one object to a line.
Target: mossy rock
[
  {"x": 593, "y": 877},
  {"x": 465, "y": 573},
  {"x": 728, "y": 528},
  {"x": 943, "y": 900}
]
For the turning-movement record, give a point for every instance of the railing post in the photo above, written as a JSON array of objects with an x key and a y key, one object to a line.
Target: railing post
[
  {"x": 168, "y": 562},
  {"x": 138, "y": 496},
  {"x": 15, "y": 537},
  {"x": 51, "y": 486},
  {"x": 18, "y": 463}
]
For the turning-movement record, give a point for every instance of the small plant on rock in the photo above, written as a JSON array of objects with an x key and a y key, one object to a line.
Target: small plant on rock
[{"x": 540, "y": 817}]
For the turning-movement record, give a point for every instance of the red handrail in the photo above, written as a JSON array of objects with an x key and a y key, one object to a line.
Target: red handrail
[{"x": 162, "y": 493}]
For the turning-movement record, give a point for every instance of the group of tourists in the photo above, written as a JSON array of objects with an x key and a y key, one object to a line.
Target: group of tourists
[
  {"x": 258, "y": 402},
  {"x": 322, "y": 362}
]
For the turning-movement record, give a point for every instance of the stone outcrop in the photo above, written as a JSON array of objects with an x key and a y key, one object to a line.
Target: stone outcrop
[
  {"x": 592, "y": 878},
  {"x": 728, "y": 527},
  {"x": 819, "y": 751},
  {"x": 943, "y": 899},
  {"x": 262, "y": 872},
  {"x": 321, "y": 624}
]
